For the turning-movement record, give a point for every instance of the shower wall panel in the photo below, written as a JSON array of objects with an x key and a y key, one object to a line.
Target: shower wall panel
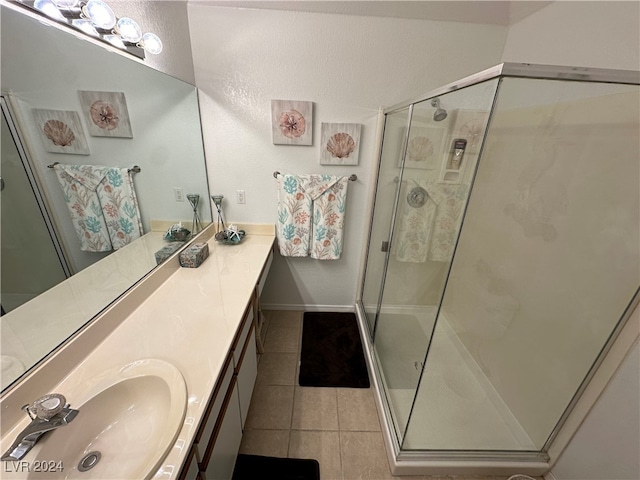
[{"x": 548, "y": 257}]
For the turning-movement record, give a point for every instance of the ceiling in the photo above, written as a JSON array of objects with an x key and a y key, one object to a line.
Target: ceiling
[{"x": 478, "y": 11}]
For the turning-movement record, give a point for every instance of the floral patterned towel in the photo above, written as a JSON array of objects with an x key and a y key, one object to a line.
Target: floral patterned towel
[
  {"x": 429, "y": 232},
  {"x": 311, "y": 213},
  {"x": 103, "y": 205}
]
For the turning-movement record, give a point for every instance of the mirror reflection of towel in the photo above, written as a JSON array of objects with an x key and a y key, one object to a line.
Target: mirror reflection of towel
[
  {"x": 103, "y": 205},
  {"x": 429, "y": 232}
]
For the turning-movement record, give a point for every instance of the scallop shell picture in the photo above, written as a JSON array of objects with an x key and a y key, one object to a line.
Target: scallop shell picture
[
  {"x": 340, "y": 143},
  {"x": 104, "y": 115},
  {"x": 58, "y": 132},
  {"x": 291, "y": 122},
  {"x": 423, "y": 147},
  {"x": 419, "y": 149},
  {"x": 61, "y": 131}
]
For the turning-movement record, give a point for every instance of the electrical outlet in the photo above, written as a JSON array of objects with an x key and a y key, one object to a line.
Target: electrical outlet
[
  {"x": 178, "y": 194},
  {"x": 240, "y": 198}
]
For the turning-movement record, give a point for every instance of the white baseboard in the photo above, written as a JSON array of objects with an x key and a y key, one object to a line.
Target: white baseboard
[{"x": 308, "y": 308}]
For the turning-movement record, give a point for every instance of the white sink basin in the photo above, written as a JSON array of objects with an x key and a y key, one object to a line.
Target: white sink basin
[{"x": 131, "y": 416}]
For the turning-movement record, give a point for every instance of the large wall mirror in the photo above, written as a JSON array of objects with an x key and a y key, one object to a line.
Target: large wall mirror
[{"x": 52, "y": 282}]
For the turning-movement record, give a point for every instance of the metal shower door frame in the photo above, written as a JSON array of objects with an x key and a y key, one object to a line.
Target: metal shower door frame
[
  {"x": 9, "y": 115},
  {"x": 532, "y": 459}
]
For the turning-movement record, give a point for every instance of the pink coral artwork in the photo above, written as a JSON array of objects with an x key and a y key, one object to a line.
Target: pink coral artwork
[
  {"x": 340, "y": 143},
  {"x": 292, "y": 122},
  {"x": 106, "y": 114}
]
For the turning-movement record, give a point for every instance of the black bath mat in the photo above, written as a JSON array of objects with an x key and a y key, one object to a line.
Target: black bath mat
[
  {"x": 251, "y": 467},
  {"x": 332, "y": 353}
]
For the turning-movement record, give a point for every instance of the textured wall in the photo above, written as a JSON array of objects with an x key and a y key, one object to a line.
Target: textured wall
[
  {"x": 602, "y": 34},
  {"x": 348, "y": 66}
]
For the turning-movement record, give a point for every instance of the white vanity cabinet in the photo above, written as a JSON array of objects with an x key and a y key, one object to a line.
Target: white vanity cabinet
[
  {"x": 245, "y": 361},
  {"x": 215, "y": 447},
  {"x": 257, "y": 310},
  {"x": 191, "y": 470},
  {"x": 213, "y": 345},
  {"x": 218, "y": 439},
  {"x": 220, "y": 455}
]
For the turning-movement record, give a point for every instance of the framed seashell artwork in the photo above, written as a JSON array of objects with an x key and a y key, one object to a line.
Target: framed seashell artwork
[
  {"x": 106, "y": 114},
  {"x": 292, "y": 122},
  {"x": 424, "y": 149},
  {"x": 61, "y": 131},
  {"x": 340, "y": 143},
  {"x": 471, "y": 125}
]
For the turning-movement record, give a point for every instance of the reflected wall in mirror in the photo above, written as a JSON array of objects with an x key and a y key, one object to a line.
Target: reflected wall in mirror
[{"x": 50, "y": 287}]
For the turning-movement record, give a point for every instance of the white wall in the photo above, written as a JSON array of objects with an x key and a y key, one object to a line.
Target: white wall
[
  {"x": 606, "y": 446},
  {"x": 348, "y": 66},
  {"x": 606, "y": 35},
  {"x": 601, "y": 34}
]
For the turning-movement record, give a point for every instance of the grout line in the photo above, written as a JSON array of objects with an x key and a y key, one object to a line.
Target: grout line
[
  {"x": 289, "y": 443},
  {"x": 337, "y": 409},
  {"x": 294, "y": 397},
  {"x": 312, "y": 430}
]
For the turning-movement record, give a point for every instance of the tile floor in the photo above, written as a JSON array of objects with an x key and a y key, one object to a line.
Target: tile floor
[{"x": 339, "y": 427}]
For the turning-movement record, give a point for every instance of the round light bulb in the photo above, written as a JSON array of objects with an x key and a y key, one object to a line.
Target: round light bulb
[
  {"x": 151, "y": 43},
  {"x": 116, "y": 41},
  {"x": 129, "y": 30},
  {"x": 48, "y": 8},
  {"x": 66, "y": 3},
  {"x": 86, "y": 26},
  {"x": 100, "y": 14}
]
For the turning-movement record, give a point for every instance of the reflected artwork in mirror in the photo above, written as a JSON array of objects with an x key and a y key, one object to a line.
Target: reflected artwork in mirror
[{"x": 51, "y": 284}]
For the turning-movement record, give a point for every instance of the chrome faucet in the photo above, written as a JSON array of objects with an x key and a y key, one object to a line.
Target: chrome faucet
[{"x": 46, "y": 413}]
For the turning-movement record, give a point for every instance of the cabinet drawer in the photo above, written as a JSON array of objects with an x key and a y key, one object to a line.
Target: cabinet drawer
[
  {"x": 220, "y": 455},
  {"x": 247, "y": 372},
  {"x": 190, "y": 470},
  {"x": 211, "y": 416},
  {"x": 265, "y": 272},
  {"x": 241, "y": 341}
]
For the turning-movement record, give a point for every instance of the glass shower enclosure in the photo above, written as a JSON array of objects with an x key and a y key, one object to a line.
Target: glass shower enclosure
[{"x": 503, "y": 256}]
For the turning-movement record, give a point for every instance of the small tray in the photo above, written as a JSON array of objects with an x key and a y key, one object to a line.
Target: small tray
[{"x": 233, "y": 241}]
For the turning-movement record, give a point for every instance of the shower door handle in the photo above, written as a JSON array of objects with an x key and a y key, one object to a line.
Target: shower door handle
[{"x": 384, "y": 247}]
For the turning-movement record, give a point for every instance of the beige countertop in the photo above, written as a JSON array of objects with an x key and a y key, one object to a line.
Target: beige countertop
[
  {"x": 71, "y": 303},
  {"x": 189, "y": 321}
]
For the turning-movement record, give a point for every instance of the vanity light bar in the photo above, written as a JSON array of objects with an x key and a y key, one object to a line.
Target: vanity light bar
[{"x": 96, "y": 19}]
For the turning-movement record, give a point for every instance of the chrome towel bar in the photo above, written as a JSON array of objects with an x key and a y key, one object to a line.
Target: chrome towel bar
[
  {"x": 353, "y": 177},
  {"x": 134, "y": 169}
]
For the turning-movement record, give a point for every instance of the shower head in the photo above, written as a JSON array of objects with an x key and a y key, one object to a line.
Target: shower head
[{"x": 440, "y": 113}]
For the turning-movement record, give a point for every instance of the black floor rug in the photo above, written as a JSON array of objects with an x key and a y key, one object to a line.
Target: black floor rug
[
  {"x": 252, "y": 467},
  {"x": 332, "y": 353}
]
